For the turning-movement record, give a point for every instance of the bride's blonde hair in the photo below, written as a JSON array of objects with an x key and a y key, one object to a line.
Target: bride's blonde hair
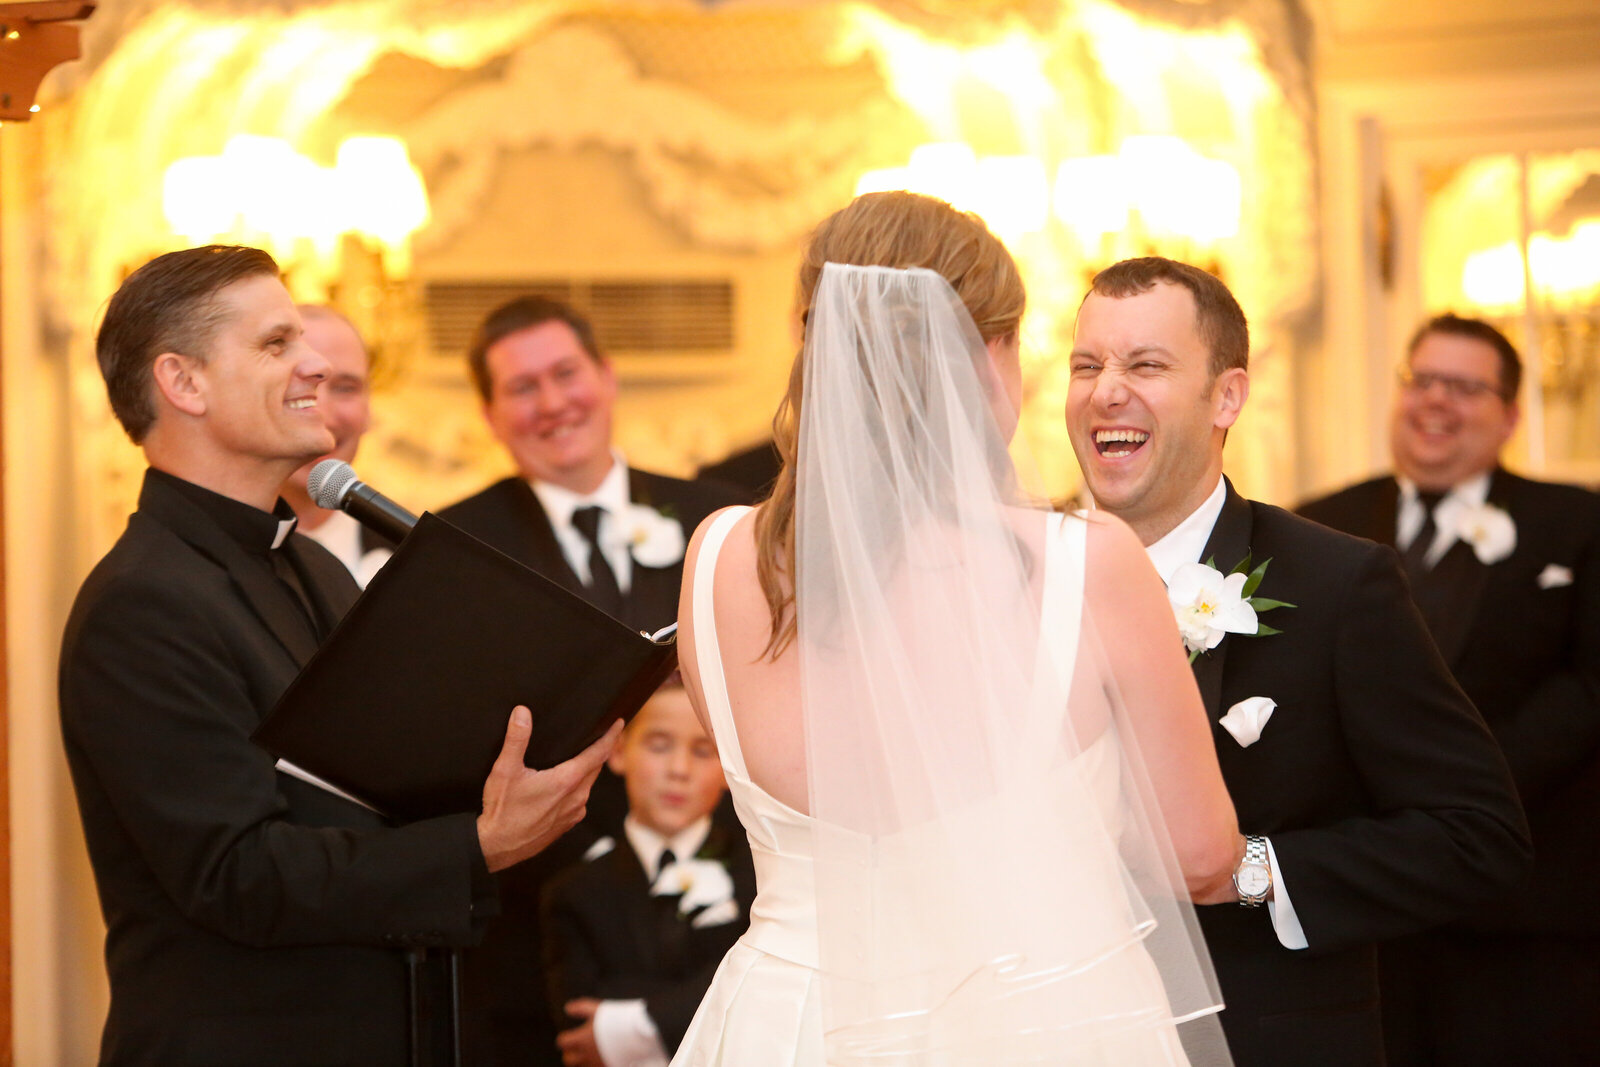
[{"x": 894, "y": 229}]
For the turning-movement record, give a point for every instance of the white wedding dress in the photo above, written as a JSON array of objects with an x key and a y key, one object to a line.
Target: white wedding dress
[{"x": 765, "y": 1008}]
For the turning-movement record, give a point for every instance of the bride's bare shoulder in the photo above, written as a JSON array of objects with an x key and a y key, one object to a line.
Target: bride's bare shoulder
[
  {"x": 735, "y": 563},
  {"x": 742, "y": 536}
]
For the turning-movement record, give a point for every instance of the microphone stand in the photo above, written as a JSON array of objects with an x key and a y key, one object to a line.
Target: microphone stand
[{"x": 426, "y": 1020}]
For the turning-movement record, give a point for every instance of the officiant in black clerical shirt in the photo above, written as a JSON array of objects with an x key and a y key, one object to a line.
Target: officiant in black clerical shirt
[
  {"x": 251, "y": 918},
  {"x": 1506, "y": 571},
  {"x": 1374, "y": 800},
  {"x": 576, "y": 512}
]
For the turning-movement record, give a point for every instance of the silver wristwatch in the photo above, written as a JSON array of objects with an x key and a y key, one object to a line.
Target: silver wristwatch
[{"x": 1253, "y": 877}]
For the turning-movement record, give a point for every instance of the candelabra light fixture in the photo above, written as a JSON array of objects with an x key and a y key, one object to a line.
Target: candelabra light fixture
[
  {"x": 342, "y": 234},
  {"x": 1155, "y": 193},
  {"x": 261, "y": 191}
]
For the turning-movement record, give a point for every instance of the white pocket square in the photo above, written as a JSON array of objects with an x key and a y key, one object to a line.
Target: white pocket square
[
  {"x": 1246, "y": 719},
  {"x": 1555, "y": 575},
  {"x": 718, "y": 914}
]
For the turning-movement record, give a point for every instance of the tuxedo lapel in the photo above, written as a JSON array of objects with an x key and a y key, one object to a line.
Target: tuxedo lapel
[
  {"x": 1229, "y": 543},
  {"x": 329, "y": 602},
  {"x": 1448, "y": 597},
  {"x": 634, "y": 885},
  {"x": 652, "y": 600},
  {"x": 1450, "y": 592},
  {"x": 271, "y": 600},
  {"x": 528, "y": 523},
  {"x": 1385, "y": 513}
]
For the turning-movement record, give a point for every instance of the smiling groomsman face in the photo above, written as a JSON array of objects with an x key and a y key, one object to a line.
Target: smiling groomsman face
[
  {"x": 549, "y": 402},
  {"x": 1146, "y": 411},
  {"x": 1455, "y": 410}
]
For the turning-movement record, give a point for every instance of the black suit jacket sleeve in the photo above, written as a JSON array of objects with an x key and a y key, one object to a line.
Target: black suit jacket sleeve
[
  {"x": 1442, "y": 830},
  {"x": 571, "y": 959},
  {"x": 1555, "y": 729},
  {"x": 672, "y": 1007},
  {"x": 159, "y": 702}
]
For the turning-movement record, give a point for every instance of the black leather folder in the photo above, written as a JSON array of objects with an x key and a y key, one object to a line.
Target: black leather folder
[{"x": 404, "y": 707}]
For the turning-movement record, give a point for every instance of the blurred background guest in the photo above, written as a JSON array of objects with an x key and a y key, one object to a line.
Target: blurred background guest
[
  {"x": 577, "y": 513},
  {"x": 1506, "y": 571},
  {"x": 344, "y": 398}
]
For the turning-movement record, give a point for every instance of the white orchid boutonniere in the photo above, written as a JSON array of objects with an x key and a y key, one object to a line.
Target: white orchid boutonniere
[
  {"x": 654, "y": 538},
  {"x": 1210, "y": 605},
  {"x": 704, "y": 890},
  {"x": 1490, "y": 532}
]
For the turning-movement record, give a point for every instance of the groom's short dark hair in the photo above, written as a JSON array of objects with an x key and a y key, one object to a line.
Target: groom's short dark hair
[{"x": 1219, "y": 319}]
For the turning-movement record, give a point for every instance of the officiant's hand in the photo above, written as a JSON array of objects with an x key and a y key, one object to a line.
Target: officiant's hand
[
  {"x": 525, "y": 810},
  {"x": 578, "y": 1046}
]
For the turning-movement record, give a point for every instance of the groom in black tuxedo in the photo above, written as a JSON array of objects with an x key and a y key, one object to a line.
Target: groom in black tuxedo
[
  {"x": 1374, "y": 799},
  {"x": 1507, "y": 573},
  {"x": 250, "y": 918},
  {"x": 578, "y": 514}
]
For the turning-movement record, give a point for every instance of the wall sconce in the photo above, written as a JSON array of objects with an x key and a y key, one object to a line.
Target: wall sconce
[{"x": 261, "y": 191}]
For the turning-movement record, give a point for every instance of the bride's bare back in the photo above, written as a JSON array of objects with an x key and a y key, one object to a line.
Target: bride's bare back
[
  {"x": 764, "y": 693},
  {"x": 1121, "y": 592}
]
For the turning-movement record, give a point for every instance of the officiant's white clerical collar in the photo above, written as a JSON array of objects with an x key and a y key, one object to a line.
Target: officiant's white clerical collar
[{"x": 1185, "y": 541}]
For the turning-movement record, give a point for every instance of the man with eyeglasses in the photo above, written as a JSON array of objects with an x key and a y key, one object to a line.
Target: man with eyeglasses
[{"x": 1506, "y": 571}]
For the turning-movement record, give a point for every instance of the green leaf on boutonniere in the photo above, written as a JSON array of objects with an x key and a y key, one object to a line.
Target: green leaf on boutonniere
[{"x": 1252, "y": 582}]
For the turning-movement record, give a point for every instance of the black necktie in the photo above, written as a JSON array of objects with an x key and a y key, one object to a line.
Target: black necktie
[
  {"x": 667, "y": 860},
  {"x": 604, "y": 592},
  {"x": 1414, "y": 558}
]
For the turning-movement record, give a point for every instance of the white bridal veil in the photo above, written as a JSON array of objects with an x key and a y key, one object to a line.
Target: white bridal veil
[{"x": 995, "y": 885}]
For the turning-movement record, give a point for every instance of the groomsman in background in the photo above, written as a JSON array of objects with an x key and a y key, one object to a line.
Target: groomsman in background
[
  {"x": 575, "y": 511},
  {"x": 1375, "y": 800},
  {"x": 615, "y": 535},
  {"x": 1507, "y": 574},
  {"x": 344, "y": 400}
]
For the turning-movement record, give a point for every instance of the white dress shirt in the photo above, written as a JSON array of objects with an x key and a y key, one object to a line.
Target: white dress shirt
[
  {"x": 623, "y": 1030},
  {"x": 1463, "y": 498},
  {"x": 1183, "y": 544},
  {"x": 612, "y": 496},
  {"x": 341, "y": 535}
]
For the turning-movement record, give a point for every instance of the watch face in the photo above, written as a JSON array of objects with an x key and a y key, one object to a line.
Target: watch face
[{"x": 1252, "y": 881}]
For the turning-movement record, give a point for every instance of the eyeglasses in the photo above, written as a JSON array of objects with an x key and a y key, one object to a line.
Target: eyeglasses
[{"x": 1456, "y": 388}]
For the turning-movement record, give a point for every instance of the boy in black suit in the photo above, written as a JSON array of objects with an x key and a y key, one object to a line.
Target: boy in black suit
[{"x": 633, "y": 935}]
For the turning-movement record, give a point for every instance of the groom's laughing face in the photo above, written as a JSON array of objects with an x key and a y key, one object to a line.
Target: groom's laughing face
[{"x": 1145, "y": 414}]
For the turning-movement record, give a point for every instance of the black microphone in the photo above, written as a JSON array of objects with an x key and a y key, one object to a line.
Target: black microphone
[{"x": 333, "y": 484}]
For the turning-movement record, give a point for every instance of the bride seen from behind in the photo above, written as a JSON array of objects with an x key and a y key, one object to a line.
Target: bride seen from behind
[{"x": 960, "y": 731}]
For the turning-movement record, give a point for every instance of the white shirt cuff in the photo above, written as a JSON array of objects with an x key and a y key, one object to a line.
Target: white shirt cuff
[
  {"x": 626, "y": 1036},
  {"x": 1285, "y": 923}
]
